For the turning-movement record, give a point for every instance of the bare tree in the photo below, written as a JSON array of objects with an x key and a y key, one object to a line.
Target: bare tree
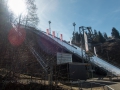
[{"x": 31, "y": 18}]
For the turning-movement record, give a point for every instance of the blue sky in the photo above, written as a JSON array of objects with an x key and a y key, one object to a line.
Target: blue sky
[{"x": 101, "y": 15}]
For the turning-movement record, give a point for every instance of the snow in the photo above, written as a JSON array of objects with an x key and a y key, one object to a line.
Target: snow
[{"x": 94, "y": 59}]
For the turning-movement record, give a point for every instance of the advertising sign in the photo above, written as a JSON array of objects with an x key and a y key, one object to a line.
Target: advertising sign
[{"x": 64, "y": 58}]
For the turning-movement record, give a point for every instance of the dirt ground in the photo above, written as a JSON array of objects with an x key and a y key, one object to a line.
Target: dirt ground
[{"x": 115, "y": 84}]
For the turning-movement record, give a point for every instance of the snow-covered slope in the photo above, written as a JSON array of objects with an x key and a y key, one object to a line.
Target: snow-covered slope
[{"x": 96, "y": 60}]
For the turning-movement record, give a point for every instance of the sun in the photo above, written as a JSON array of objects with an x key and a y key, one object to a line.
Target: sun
[{"x": 17, "y": 6}]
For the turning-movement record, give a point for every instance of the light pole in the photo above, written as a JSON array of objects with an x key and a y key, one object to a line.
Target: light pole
[
  {"x": 74, "y": 31},
  {"x": 49, "y": 26},
  {"x": 51, "y": 67}
]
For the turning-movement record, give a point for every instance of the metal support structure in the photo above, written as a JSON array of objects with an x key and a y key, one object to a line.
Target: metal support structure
[
  {"x": 81, "y": 41},
  {"x": 90, "y": 31},
  {"x": 81, "y": 31},
  {"x": 74, "y": 31}
]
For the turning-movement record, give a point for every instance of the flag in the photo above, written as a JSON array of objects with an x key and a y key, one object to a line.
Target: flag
[
  {"x": 95, "y": 51},
  {"x": 47, "y": 31},
  {"x": 86, "y": 42},
  {"x": 61, "y": 37},
  {"x": 53, "y": 33}
]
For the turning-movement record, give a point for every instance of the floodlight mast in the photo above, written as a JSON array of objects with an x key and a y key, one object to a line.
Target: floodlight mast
[
  {"x": 74, "y": 31},
  {"x": 49, "y": 26},
  {"x": 51, "y": 62}
]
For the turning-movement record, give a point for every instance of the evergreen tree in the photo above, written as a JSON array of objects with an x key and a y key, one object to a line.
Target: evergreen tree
[
  {"x": 95, "y": 37},
  {"x": 101, "y": 38},
  {"x": 77, "y": 36},
  {"x": 115, "y": 33},
  {"x": 80, "y": 36},
  {"x": 105, "y": 36},
  {"x": 95, "y": 32},
  {"x": 73, "y": 38}
]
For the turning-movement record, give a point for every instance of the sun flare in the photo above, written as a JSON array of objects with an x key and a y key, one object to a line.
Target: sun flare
[{"x": 17, "y": 6}]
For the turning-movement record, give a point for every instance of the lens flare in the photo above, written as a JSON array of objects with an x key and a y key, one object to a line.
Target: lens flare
[{"x": 16, "y": 36}]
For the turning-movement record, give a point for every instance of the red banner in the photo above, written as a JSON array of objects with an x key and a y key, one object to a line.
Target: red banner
[
  {"x": 53, "y": 33},
  {"x": 61, "y": 37}
]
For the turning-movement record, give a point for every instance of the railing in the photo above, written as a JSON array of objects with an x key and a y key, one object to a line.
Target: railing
[{"x": 38, "y": 57}]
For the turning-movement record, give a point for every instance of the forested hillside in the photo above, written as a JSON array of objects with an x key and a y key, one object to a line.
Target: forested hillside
[{"x": 107, "y": 47}]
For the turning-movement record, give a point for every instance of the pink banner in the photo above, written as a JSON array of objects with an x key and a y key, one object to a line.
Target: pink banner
[
  {"x": 47, "y": 31},
  {"x": 53, "y": 33}
]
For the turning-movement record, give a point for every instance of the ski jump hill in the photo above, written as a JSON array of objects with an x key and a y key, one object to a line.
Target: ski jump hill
[{"x": 52, "y": 45}]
